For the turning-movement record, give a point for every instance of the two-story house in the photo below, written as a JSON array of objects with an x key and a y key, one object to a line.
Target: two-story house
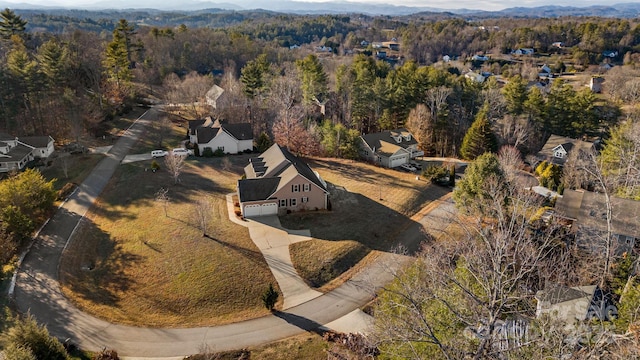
[
  {"x": 277, "y": 181},
  {"x": 15, "y": 152},
  {"x": 557, "y": 149},
  {"x": 213, "y": 134}
]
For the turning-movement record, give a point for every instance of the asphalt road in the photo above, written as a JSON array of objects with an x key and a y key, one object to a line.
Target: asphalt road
[{"x": 37, "y": 289}]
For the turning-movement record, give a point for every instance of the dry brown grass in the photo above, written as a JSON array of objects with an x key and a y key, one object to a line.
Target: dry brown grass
[
  {"x": 371, "y": 206},
  {"x": 129, "y": 263}
]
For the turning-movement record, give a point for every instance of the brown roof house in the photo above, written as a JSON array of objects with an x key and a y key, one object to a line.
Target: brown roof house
[
  {"x": 557, "y": 149},
  {"x": 587, "y": 210},
  {"x": 15, "y": 152},
  {"x": 390, "y": 148},
  {"x": 230, "y": 138},
  {"x": 277, "y": 181}
]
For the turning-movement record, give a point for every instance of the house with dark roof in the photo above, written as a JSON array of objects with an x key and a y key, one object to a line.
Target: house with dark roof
[
  {"x": 587, "y": 212},
  {"x": 15, "y": 152},
  {"x": 277, "y": 181},
  {"x": 230, "y": 138},
  {"x": 557, "y": 149},
  {"x": 390, "y": 148},
  {"x": 579, "y": 303}
]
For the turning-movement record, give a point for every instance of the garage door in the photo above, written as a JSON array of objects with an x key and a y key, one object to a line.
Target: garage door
[
  {"x": 254, "y": 210},
  {"x": 394, "y": 162}
]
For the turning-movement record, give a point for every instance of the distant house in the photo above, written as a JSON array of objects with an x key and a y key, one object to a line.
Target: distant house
[
  {"x": 229, "y": 138},
  {"x": 391, "y": 45},
  {"x": 15, "y": 152},
  {"x": 213, "y": 95},
  {"x": 545, "y": 72},
  {"x": 446, "y": 58},
  {"x": 278, "y": 181},
  {"x": 390, "y": 148},
  {"x": 606, "y": 67},
  {"x": 558, "y": 44},
  {"x": 571, "y": 304},
  {"x": 523, "y": 51},
  {"x": 587, "y": 211},
  {"x": 381, "y": 54},
  {"x": 557, "y": 148},
  {"x": 595, "y": 84},
  {"x": 294, "y": 46},
  {"x": 474, "y": 76},
  {"x": 610, "y": 54},
  {"x": 364, "y": 43},
  {"x": 480, "y": 58}
]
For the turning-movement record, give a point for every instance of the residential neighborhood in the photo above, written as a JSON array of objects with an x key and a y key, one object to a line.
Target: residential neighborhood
[{"x": 314, "y": 184}]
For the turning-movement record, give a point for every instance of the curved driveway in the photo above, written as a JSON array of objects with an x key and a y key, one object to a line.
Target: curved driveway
[{"x": 37, "y": 289}]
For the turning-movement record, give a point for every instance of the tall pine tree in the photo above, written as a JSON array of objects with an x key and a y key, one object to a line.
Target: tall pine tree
[{"x": 479, "y": 138}]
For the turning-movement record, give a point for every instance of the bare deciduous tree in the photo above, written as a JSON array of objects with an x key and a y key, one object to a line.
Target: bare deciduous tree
[
  {"x": 450, "y": 302},
  {"x": 511, "y": 162},
  {"x": 174, "y": 164},
  {"x": 162, "y": 196},
  {"x": 202, "y": 213},
  {"x": 162, "y": 129},
  {"x": 514, "y": 131}
]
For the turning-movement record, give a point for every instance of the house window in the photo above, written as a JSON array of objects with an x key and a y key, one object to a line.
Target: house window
[
  {"x": 221, "y": 148},
  {"x": 305, "y": 199},
  {"x": 558, "y": 154},
  {"x": 295, "y": 188},
  {"x": 292, "y": 202},
  {"x": 283, "y": 202},
  {"x": 366, "y": 153},
  {"x": 306, "y": 187}
]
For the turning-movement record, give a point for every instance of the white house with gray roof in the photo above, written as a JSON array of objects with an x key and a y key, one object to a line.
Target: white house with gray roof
[
  {"x": 390, "y": 148},
  {"x": 213, "y": 134},
  {"x": 278, "y": 181},
  {"x": 16, "y": 152}
]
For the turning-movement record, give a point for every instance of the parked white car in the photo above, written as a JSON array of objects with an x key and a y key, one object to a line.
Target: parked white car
[
  {"x": 158, "y": 153},
  {"x": 182, "y": 151},
  {"x": 408, "y": 167}
]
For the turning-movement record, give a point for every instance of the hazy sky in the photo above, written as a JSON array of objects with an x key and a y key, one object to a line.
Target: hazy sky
[{"x": 444, "y": 4}]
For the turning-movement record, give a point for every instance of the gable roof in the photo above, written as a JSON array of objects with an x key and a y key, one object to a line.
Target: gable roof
[
  {"x": 383, "y": 142},
  {"x": 568, "y": 144},
  {"x": 241, "y": 131},
  {"x": 205, "y": 134},
  {"x": 272, "y": 170},
  {"x": 257, "y": 189},
  {"x": 17, "y": 153},
  {"x": 6, "y": 137},
  {"x": 194, "y": 124},
  {"x": 36, "y": 141},
  {"x": 560, "y": 294},
  {"x": 589, "y": 210}
]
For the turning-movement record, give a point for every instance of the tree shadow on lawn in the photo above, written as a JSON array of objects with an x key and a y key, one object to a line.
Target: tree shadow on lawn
[
  {"x": 301, "y": 322},
  {"x": 136, "y": 185},
  {"x": 93, "y": 267},
  {"x": 356, "y": 217},
  {"x": 255, "y": 256}
]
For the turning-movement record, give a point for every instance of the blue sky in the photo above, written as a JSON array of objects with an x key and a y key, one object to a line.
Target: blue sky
[{"x": 443, "y": 4}]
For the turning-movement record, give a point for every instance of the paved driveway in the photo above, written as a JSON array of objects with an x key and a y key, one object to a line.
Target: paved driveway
[{"x": 37, "y": 289}]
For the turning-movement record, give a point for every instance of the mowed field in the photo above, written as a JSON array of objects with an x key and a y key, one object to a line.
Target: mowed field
[
  {"x": 130, "y": 263},
  {"x": 371, "y": 207}
]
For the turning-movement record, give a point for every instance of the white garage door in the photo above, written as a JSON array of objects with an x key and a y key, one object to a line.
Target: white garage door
[
  {"x": 397, "y": 161},
  {"x": 260, "y": 209}
]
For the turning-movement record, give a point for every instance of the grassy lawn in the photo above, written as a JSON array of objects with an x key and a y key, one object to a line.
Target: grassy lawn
[
  {"x": 174, "y": 137},
  {"x": 371, "y": 206},
  {"x": 129, "y": 263},
  {"x": 79, "y": 166}
]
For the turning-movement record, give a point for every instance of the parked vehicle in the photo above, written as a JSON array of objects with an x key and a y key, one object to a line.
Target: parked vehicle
[
  {"x": 416, "y": 165},
  {"x": 408, "y": 167},
  {"x": 182, "y": 151},
  {"x": 158, "y": 153}
]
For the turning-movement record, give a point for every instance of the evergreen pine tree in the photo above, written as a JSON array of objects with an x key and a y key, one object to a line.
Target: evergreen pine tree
[{"x": 479, "y": 138}]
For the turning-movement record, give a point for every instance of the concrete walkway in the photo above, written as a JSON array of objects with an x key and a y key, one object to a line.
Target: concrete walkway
[{"x": 273, "y": 241}]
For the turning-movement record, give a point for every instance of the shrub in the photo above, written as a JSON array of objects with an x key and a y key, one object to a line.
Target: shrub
[
  {"x": 435, "y": 173},
  {"x": 207, "y": 152},
  {"x": 154, "y": 165},
  {"x": 218, "y": 152},
  {"x": 27, "y": 334},
  {"x": 106, "y": 355},
  {"x": 270, "y": 297}
]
